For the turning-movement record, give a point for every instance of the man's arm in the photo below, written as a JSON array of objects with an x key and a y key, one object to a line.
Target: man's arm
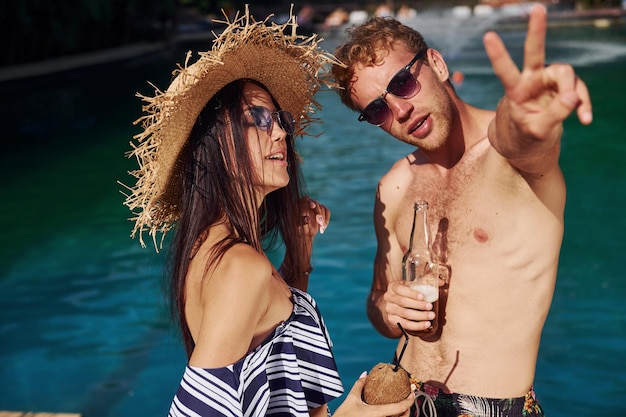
[
  {"x": 529, "y": 119},
  {"x": 387, "y": 253},
  {"x": 390, "y": 301}
]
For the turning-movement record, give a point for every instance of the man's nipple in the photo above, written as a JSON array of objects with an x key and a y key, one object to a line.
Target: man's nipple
[{"x": 480, "y": 235}]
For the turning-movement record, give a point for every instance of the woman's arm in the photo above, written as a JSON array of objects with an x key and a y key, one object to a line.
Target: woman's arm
[{"x": 315, "y": 218}]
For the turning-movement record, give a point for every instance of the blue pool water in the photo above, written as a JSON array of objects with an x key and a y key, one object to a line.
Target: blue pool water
[{"x": 83, "y": 326}]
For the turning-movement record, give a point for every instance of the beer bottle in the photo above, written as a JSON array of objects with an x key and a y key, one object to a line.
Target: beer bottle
[{"x": 418, "y": 269}]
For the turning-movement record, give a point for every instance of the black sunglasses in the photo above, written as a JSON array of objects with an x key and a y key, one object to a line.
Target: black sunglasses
[
  {"x": 402, "y": 85},
  {"x": 263, "y": 119}
]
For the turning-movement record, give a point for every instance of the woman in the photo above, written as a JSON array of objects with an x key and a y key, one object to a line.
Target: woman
[{"x": 217, "y": 158}]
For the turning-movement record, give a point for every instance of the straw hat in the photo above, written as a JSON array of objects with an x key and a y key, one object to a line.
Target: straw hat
[{"x": 289, "y": 65}]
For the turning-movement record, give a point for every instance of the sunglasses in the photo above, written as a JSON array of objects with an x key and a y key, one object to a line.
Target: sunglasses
[
  {"x": 263, "y": 119},
  {"x": 402, "y": 85}
]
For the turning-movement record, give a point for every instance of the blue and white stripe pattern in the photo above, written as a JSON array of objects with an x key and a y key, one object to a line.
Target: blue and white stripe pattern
[{"x": 291, "y": 372}]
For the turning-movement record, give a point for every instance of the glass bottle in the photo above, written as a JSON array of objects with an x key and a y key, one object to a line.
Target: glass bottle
[{"x": 418, "y": 269}]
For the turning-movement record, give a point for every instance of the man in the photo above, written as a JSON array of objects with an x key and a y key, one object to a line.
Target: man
[{"x": 496, "y": 199}]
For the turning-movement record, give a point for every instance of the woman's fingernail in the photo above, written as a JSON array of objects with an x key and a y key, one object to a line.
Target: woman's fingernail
[
  {"x": 320, "y": 221},
  {"x": 363, "y": 374}
]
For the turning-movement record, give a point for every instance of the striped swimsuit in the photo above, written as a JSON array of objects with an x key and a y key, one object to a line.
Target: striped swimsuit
[{"x": 292, "y": 371}]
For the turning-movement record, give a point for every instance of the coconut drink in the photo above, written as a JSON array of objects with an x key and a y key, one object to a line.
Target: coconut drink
[
  {"x": 388, "y": 383},
  {"x": 385, "y": 384}
]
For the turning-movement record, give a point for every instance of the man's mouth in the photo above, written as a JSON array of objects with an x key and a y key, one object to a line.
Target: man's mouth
[{"x": 419, "y": 124}]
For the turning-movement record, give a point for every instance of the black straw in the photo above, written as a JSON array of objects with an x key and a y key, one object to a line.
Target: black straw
[{"x": 406, "y": 342}]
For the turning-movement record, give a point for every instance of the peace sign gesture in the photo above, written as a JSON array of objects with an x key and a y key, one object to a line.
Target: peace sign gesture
[{"x": 538, "y": 98}]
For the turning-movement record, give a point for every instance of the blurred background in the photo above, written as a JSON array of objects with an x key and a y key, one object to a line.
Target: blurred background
[
  {"x": 83, "y": 322},
  {"x": 34, "y": 30}
]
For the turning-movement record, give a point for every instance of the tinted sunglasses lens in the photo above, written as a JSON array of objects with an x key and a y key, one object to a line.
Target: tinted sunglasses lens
[
  {"x": 376, "y": 112},
  {"x": 262, "y": 117},
  {"x": 287, "y": 122},
  {"x": 403, "y": 84}
]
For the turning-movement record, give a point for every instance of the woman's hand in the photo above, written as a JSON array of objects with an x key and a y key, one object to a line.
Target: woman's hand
[
  {"x": 315, "y": 216},
  {"x": 354, "y": 405},
  {"x": 296, "y": 266}
]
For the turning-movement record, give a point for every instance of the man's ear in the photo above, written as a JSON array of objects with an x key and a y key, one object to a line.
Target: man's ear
[{"x": 438, "y": 64}]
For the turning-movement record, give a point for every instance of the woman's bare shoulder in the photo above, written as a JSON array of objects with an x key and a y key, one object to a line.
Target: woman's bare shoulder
[
  {"x": 244, "y": 263},
  {"x": 233, "y": 300}
]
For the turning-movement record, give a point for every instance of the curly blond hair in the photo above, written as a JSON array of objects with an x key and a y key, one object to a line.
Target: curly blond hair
[{"x": 366, "y": 44}]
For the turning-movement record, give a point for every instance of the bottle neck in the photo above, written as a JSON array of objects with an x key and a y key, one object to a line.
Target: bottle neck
[{"x": 420, "y": 237}]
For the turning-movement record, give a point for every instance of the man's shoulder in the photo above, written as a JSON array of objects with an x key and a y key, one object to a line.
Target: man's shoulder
[
  {"x": 397, "y": 183},
  {"x": 401, "y": 172}
]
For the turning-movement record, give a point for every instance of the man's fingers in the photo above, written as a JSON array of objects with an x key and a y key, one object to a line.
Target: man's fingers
[
  {"x": 585, "y": 111},
  {"x": 572, "y": 93},
  {"x": 503, "y": 66},
  {"x": 535, "y": 44},
  {"x": 534, "y": 50}
]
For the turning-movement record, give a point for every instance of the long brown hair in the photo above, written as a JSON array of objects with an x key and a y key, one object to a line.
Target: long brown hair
[{"x": 213, "y": 190}]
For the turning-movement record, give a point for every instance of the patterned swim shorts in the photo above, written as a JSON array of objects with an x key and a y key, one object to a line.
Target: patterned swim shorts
[{"x": 462, "y": 405}]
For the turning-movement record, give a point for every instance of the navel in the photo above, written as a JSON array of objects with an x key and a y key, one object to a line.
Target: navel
[{"x": 480, "y": 235}]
